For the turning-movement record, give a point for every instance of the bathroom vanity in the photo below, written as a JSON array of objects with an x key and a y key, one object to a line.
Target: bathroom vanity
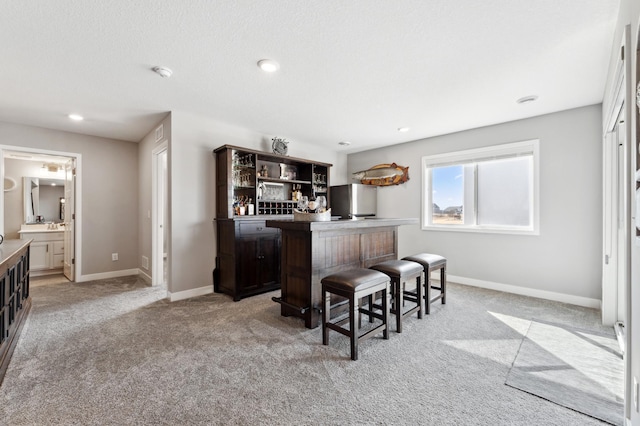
[{"x": 47, "y": 248}]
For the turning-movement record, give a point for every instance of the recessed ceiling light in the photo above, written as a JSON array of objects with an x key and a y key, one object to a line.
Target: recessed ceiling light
[
  {"x": 268, "y": 65},
  {"x": 527, "y": 99},
  {"x": 344, "y": 143},
  {"x": 163, "y": 72},
  {"x": 76, "y": 117},
  {"x": 403, "y": 129}
]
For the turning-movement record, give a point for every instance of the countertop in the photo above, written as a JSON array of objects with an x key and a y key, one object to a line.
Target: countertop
[
  {"x": 34, "y": 228},
  {"x": 39, "y": 231},
  {"x": 373, "y": 222},
  {"x": 9, "y": 247}
]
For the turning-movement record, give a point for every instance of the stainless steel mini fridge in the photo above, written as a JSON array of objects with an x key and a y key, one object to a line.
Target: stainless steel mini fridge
[{"x": 354, "y": 200}]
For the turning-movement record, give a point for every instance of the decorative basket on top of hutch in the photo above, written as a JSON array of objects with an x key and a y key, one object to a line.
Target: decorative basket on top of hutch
[{"x": 251, "y": 187}]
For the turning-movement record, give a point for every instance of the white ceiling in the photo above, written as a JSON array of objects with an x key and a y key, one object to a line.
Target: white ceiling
[{"x": 352, "y": 70}]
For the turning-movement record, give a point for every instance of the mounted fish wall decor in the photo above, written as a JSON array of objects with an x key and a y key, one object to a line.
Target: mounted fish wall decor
[{"x": 383, "y": 175}]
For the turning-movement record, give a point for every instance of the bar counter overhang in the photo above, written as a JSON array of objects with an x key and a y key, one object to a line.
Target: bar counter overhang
[{"x": 313, "y": 250}]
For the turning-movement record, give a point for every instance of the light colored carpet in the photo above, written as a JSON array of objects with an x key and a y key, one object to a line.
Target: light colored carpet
[
  {"x": 47, "y": 280},
  {"x": 112, "y": 352},
  {"x": 579, "y": 369}
]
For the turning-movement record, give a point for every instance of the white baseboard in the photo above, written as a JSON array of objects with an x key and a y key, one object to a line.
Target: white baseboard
[
  {"x": 146, "y": 277},
  {"x": 526, "y": 291},
  {"x": 187, "y": 294},
  {"x": 173, "y": 297},
  {"x": 106, "y": 275}
]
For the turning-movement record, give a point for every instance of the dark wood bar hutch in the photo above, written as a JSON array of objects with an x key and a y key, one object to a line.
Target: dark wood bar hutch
[
  {"x": 251, "y": 187},
  {"x": 15, "y": 302}
]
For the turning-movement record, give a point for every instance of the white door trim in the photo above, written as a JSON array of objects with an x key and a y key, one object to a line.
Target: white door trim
[
  {"x": 157, "y": 212},
  {"x": 609, "y": 229}
]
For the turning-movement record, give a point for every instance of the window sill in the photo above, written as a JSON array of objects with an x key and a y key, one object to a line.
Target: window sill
[{"x": 482, "y": 230}]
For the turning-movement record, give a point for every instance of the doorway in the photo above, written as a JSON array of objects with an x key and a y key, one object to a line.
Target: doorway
[
  {"x": 46, "y": 172},
  {"x": 159, "y": 220}
]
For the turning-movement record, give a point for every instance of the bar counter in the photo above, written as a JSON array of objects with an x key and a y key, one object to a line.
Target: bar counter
[{"x": 313, "y": 250}]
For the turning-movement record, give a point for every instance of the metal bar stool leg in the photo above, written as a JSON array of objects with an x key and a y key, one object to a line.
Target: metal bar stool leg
[{"x": 443, "y": 284}]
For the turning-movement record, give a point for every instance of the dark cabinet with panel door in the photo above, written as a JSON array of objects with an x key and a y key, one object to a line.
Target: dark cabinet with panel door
[{"x": 248, "y": 260}]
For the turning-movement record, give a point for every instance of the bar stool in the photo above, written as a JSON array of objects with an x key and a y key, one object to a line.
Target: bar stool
[
  {"x": 353, "y": 285},
  {"x": 431, "y": 263},
  {"x": 401, "y": 272}
]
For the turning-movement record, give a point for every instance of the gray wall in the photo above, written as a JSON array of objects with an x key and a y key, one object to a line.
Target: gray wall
[
  {"x": 109, "y": 192},
  {"x": 565, "y": 257}
]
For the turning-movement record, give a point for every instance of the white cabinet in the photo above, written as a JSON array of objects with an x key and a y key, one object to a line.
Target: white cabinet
[
  {"x": 39, "y": 256},
  {"x": 58, "y": 254},
  {"x": 47, "y": 250}
]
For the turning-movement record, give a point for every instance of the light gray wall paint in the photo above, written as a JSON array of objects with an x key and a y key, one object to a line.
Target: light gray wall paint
[
  {"x": 565, "y": 257},
  {"x": 109, "y": 192},
  {"x": 192, "y": 187}
]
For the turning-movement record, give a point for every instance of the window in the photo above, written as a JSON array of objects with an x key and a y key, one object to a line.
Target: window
[{"x": 493, "y": 189}]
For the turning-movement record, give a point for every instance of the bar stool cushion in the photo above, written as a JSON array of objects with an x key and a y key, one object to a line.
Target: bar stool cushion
[
  {"x": 432, "y": 263},
  {"x": 398, "y": 268},
  {"x": 427, "y": 260},
  {"x": 401, "y": 272},
  {"x": 354, "y": 280}
]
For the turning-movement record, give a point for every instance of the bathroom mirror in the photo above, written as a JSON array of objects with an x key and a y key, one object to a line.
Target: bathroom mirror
[{"x": 43, "y": 200}]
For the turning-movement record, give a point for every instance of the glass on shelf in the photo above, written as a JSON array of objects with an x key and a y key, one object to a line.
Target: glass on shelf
[
  {"x": 242, "y": 179},
  {"x": 319, "y": 179},
  {"x": 303, "y": 203},
  {"x": 243, "y": 161},
  {"x": 321, "y": 203}
]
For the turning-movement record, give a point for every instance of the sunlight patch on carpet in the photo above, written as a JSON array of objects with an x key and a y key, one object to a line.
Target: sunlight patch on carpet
[{"x": 578, "y": 369}]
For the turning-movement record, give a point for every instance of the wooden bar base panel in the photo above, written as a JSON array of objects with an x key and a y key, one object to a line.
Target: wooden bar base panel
[{"x": 313, "y": 250}]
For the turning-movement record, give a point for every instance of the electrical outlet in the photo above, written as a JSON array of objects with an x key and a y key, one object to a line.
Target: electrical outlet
[
  {"x": 114, "y": 256},
  {"x": 145, "y": 262}
]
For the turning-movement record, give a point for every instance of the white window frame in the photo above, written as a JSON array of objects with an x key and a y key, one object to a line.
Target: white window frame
[{"x": 514, "y": 149}]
